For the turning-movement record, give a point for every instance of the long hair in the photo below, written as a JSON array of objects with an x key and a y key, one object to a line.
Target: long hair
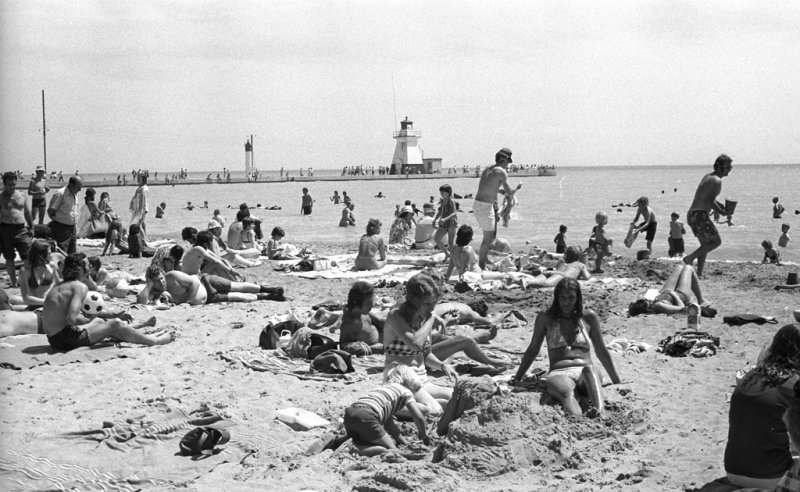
[
  {"x": 555, "y": 309},
  {"x": 73, "y": 265},
  {"x": 783, "y": 358},
  {"x": 421, "y": 285},
  {"x": 39, "y": 254},
  {"x": 359, "y": 291},
  {"x": 640, "y": 306}
]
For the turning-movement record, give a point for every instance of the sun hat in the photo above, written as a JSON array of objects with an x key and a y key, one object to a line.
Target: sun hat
[
  {"x": 39, "y": 169},
  {"x": 212, "y": 224},
  {"x": 505, "y": 152},
  {"x": 406, "y": 209}
]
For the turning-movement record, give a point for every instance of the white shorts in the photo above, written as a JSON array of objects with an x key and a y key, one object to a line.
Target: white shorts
[{"x": 484, "y": 214}]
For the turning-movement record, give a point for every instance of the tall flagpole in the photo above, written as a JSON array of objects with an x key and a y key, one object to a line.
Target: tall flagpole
[{"x": 44, "y": 135}]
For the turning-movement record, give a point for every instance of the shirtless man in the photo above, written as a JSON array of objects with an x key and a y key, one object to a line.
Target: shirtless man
[
  {"x": 67, "y": 328},
  {"x": 703, "y": 205},
  {"x": 362, "y": 331},
  {"x": 14, "y": 215},
  {"x": 37, "y": 189},
  {"x": 492, "y": 179},
  {"x": 649, "y": 224},
  {"x": 178, "y": 287}
]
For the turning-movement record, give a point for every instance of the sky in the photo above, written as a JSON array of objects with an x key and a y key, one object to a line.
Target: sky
[{"x": 168, "y": 85}]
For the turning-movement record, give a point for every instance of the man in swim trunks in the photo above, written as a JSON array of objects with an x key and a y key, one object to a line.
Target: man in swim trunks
[
  {"x": 178, "y": 287},
  {"x": 362, "y": 332},
  {"x": 14, "y": 216},
  {"x": 37, "y": 189},
  {"x": 704, "y": 204},
  {"x": 483, "y": 208},
  {"x": 67, "y": 328}
]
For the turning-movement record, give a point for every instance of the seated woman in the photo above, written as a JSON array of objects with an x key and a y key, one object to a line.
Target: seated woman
[
  {"x": 371, "y": 250},
  {"x": 406, "y": 340},
  {"x": 137, "y": 248},
  {"x": 757, "y": 454},
  {"x": 348, "y": 218},
  {"x": 674, "y": 296},
  {"x": 38, "y": 275},
  {"x": 568, "y": 328},
  {"x": 398, "y": 233},
  {"x": 463, "y": 258}
]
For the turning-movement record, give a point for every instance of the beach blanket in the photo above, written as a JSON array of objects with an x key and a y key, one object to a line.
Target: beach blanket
[
  {"x": 138, "y": 452},
  {"x": 27, "y": 351},
  {"x": 625, "y": 345},
  {"x": 277, "y": 362},
  {"x": 694, "y": 343}
]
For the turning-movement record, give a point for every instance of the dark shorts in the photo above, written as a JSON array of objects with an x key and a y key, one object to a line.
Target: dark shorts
[
  {"x": 307, "y": 210},
  {"x": 675, "y": 246},
  {"x": 38, "y": 202},
  {"x": 702, "y": 226},
  {"x": 217, "y": 288},
  {"x": 560, "y": 248},
  {"x": 69, "y": 338},
  {"x": 64, "y": 235},
  {"x": 362, "y": 424},
  {"x": 650, "y": 230},
  {"x": 14, "y": 236}
]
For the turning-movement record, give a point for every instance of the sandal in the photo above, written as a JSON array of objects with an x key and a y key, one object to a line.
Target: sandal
[{"x": 202, "y": 440}]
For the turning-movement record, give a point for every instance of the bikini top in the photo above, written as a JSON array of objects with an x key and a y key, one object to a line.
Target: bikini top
[
  {"x": 555, "y": 339},
  {"x": 47, "y": 279}
]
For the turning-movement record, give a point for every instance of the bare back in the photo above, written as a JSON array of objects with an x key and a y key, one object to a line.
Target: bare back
[
  {"x": 358, "y": 328},
  {"x": 185, "y": 288},
  {"x": 62, "y": 306},
  {"x": 492, "y": 179},
  {"x": 193, "y": 260}
]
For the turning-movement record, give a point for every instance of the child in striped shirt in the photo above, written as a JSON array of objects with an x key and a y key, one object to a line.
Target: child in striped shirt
[{"x": 370, "y": 420}]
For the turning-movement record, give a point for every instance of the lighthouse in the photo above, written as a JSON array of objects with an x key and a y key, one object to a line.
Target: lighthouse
[
  {"x": 407, "y": 153},
  {"x": 249, "y": 167}
]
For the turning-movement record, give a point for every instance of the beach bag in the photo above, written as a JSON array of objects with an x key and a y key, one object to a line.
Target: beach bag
[
  {"x": 299, "y": 344},
  {"x": 333, "y": 362},
  {"x": 268, "y": 339},
  {"x": 319, "y": 344}
]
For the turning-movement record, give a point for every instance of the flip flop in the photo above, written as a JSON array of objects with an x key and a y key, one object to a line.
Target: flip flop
[{"x": 203, "y": 440}]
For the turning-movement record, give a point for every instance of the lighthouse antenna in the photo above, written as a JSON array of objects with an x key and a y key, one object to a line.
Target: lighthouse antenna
[{"x": 394, "y": 101}]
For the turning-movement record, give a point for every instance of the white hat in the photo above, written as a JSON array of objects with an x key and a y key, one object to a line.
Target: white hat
[
  {"x": 405, "y": 209},
  {"x": 213, "y": 224}
]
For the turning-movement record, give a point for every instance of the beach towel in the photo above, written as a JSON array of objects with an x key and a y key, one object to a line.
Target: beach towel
[
  {"x": 743, "y": 319},
  {"x": 130, "y": 454},
  {"x": 27, "y": 351},
  {"x": 276, "y": 362},
  {"x": 684, "y": 343},
  {"x": 625, "y": 345}
]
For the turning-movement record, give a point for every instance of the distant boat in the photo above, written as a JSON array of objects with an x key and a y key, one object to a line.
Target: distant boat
[{"x": 547, "y": 171}]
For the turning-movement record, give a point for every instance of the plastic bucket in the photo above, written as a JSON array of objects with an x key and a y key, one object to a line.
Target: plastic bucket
[{"x": 730, "y": 206}]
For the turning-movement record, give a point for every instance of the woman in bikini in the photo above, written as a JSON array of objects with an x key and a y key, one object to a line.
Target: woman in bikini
[
  {"x": 675, "y": 295},
  {"x": 38, "y": 275},
  {"x": 371, "y": 250},
  {"x": 407, "y": 340},
  {"x": 568, "y": 329}
]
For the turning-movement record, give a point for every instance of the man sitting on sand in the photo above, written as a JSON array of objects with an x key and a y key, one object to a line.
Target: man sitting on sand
[
  {"x": 362, "y": 331},
  {"x": 178, "y": 287},
  {"x": 67, "y": 328}
]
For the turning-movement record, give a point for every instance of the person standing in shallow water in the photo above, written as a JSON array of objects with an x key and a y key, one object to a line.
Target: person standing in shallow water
[{"x": 699, "y": 215}]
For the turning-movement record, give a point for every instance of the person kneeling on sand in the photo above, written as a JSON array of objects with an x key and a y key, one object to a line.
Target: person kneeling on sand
[
  {"x": 178, "y": 287},
  {"x": 370, "y": 420},
  {"x": 371, "y": 250},
  {"x": 67, "y": 328},
  {"x": 758, "y": 453},
  {"x": 568, "y": 328},
  {"x": 674, "y": 296},
  {"x": 362, "y": 331}
]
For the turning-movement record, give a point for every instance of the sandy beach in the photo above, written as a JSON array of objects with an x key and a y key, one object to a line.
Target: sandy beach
[{"x": 79, "y": 422}]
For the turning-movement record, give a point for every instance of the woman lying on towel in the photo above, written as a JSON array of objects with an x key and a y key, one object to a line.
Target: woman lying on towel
[
  {"x": 757, "y": 454},
  {"x": 674, "y": 296},
  {"x": 407, "y": 340},
  {"x": 568, "y": 328}
]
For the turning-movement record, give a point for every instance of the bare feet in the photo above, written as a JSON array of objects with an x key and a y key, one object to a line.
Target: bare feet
[
  {"x": 165, "y": 339},
  {"x": 150, "y": 322}
]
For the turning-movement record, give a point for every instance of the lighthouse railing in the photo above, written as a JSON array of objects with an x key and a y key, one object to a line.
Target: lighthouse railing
[{"x": 406, "y": 133}]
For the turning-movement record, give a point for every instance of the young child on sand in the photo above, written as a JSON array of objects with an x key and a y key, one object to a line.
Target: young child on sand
[
  {"x": 371, "y": 250},
  {"x": 348, "y": 218},
  {"x": 601, "y": 242},
  {"x": 777, "y": 208},
  {"x": 675, "y": 239},
  {"x": 463, "y": 258},
  {"x": 771, "y": 254},
  {"x": 276, "y": 250},
  {"x": 783, "y": 241},
  {"x": 370, "y": 420},
  {"x": 114, "y": 238},
  {"x": 398, "y": 234},
  {"x": 561, "y": 239},
  {"x": 447, "y": 220}
]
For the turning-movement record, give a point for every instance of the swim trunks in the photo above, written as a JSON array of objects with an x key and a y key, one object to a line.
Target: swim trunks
[
  {"x": 702, "y": 226},
  {"x": 307, "y": 210},
  {"x": 14, "y": 236},
  {"x": 362, "y": 423},
  {"x": 650, "y": 230},
  {"x": 69, "y": 338},
  {"x": 217, "y": 288},
  {"x": 37, "y": 202},
  {"x": 484, "y": 214}
]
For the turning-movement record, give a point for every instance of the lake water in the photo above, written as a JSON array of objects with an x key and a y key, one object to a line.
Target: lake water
[{"x": 572, "y": 198}]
